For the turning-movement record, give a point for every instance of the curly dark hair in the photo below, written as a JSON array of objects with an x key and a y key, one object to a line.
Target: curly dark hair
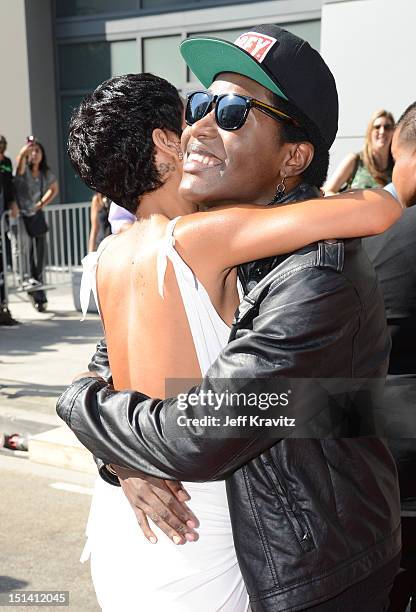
[
  {"x": 110, "y": 135},
  {"x": 316, "y": 172}
]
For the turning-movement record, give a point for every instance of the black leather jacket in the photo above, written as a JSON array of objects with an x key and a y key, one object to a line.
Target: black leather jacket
[{"x": 310, "y": 516}]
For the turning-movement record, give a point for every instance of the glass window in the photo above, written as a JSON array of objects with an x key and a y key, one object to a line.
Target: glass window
[
  {"x": 161, "y": 57},
  {"x": 230, "y": 35},
  {"x": 124, "y": 57},
  {"x": 169, "y": 4},
  {"x": 75, "y": 189},
  {"x": 180, "y": 4},
  {"x": 69, "y": 8},
  {"x": 84, "y": 66}
]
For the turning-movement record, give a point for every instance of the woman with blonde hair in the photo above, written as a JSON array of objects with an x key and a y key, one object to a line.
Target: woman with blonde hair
[{"x": 374, "y": 165}]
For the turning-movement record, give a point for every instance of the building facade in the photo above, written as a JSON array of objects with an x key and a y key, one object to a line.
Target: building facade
[{"x": 59, "y": 50}]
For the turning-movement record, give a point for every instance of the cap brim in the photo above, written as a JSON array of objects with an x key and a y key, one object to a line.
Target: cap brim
[{"x": 208, "y": 57}]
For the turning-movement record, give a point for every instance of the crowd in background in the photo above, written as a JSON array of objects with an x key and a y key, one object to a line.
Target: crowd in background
[{"x": 25, "y": 194}]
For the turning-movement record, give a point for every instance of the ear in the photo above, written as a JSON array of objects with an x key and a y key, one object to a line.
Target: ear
[
  {"x": 299, "y": 156},
  {"x": 167, "y": 142}
]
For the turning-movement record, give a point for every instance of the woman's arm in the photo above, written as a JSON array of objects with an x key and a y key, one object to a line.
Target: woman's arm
[
  {"x": 341, "y": 175},
  {"x": 21, "y": 159},
  {"x": 49, "y": 195},
  {"x": 225, "y": 237},
  {"x": 96, "y": 205}
]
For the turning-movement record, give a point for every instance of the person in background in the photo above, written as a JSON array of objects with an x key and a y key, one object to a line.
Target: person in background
[
  {"x": 373, "y": 166},
  {"x": 36, "y": 187},
  {"x": 6, "y": 167},
  {"x": 7, "y": 201},
  {"x": 100, "y": 226},
  {"x": 393, "y": 255}
]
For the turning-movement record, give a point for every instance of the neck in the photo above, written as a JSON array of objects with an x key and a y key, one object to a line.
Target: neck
[
  {"x": 2, "y": 155},
  {"x": 165, "y": 200},
  {"x": 381, "y": 157}
]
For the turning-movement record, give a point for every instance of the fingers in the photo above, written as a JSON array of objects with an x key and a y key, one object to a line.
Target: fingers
[
  {"x": 179, "y": 508},
  {"x": 144, "y": 526},
  {"x": 173, "y": 517},
  {"x": 153, "y": 497},
  {"x": 142, "y": 498},
  {"x": 178, "y": 490},
  {"x": 174, "y": 529}
]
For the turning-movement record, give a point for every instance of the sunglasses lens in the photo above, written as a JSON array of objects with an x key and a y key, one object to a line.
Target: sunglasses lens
[
  {"x": 230, "y": 112},
  {"x": 197, "y": 107}
]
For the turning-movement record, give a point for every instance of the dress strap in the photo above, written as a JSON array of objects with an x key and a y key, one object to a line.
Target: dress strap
[
  {"x": 165, "y": 249},
  {"x": 89, "y": 277}
]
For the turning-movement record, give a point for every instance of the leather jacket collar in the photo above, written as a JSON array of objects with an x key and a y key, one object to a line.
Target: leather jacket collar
[{"x": 251, "y": 273}]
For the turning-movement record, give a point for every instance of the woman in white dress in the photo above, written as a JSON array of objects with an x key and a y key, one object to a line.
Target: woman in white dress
[{"x": 167, "y": 290}]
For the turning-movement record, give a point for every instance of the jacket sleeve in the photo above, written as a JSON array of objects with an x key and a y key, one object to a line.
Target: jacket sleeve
[
  {"x": 100, "y": 363},
  {"x": 288, "y": 337}
]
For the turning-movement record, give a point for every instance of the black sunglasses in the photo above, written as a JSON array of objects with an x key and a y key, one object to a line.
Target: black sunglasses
[{"x": 231, "y": 110}]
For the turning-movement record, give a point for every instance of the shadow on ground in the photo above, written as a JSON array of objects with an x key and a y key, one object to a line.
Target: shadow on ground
[
  {"x": 8, "y": 583},
  {"x": 13, "y": 389},
  {"x": 43, "y": 336}
]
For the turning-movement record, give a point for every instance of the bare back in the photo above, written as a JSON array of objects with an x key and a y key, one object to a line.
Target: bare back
[{"x": 148, "y": 336}]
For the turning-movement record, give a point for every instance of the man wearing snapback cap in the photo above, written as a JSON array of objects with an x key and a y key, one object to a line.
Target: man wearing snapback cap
[{"x": 316, "y": 522}]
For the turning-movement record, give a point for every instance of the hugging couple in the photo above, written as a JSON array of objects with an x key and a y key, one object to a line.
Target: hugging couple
[{"x": 236, "y": 269}]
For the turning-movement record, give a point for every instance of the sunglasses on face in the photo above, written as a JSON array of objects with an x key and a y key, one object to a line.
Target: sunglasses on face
[
  {"x": 231, "y": 110},
  {"x": 387, "y": 128}
]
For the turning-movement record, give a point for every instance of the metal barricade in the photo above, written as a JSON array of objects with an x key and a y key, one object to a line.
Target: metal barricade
[{"x": 66, "y": 245}]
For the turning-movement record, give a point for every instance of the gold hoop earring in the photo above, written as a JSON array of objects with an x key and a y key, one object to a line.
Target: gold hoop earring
[{"x": 280, "y": 189}]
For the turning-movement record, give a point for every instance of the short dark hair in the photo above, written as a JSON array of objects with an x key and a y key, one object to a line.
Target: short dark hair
[
  {"x": 316, "y": 172},
  {"x": 110, "y": 135},
  {"x": 407, "y": 124}
]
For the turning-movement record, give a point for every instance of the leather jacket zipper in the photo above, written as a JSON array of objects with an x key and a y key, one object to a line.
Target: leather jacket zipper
[{"x": 288, "y": 504}]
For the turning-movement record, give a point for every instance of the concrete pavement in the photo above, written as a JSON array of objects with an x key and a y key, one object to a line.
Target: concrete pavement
[
  {"x": 43, "y": 513},
  {"x": 43, "y": 509},
  {"x": 39, "y": 358}
]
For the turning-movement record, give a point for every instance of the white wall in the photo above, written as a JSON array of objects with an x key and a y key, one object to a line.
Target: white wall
[
  {"x": 15, "y": 116},
  {"x": 370, "y": 47},
  {"x": 41, "y": 65},
  {"x": 27, "y": 77}
]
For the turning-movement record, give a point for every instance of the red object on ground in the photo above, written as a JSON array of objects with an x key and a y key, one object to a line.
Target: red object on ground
[{"x": 14, "y": 442}]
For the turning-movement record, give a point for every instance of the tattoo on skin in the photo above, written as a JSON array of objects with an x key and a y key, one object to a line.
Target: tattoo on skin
[{"x": 164, "y": 169}]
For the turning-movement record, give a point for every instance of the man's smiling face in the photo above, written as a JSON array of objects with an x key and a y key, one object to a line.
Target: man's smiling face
[{"x": 223, "y": 167}]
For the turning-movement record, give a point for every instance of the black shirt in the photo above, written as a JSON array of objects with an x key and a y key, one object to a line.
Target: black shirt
[
  {"x": 6, "y": 184},
  {"x": 394, "y": 257}
]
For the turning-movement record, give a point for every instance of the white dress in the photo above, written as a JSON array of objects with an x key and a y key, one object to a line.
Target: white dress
[{"x": 129, "y": 573}]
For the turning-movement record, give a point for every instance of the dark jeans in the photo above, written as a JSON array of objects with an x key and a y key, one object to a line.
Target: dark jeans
[
  {"x": 404, "y": 587},
  {"x": 369, "y": 595},
  {"x": 37, "y": 260}
]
